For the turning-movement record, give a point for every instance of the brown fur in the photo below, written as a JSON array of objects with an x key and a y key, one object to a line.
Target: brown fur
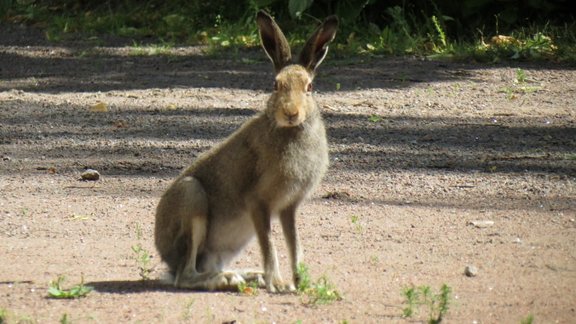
[{"x": 265, "y": 169}]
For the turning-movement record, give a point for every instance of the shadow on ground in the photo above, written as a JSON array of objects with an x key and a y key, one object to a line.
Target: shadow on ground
[
  {"x": 107, "y": 72},
  {"x": 138, "y": 286},
  {"x": 132, "y": 286},
  {"x": 143, "y": 142}
]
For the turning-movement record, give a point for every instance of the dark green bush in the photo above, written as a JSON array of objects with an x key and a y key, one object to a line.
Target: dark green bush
[{"x": 375, "y": 26}]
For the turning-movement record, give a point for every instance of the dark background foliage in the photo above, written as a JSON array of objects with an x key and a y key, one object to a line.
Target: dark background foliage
[{"x": 461, "y": 18}]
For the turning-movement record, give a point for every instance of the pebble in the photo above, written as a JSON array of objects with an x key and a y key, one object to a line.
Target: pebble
[
  {"x": 90, "y": 175},
  {"x": 471, "y": 271}
]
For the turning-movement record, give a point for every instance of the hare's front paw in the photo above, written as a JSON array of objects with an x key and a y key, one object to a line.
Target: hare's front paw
[
  {"x": 277, "y": 285},
  {"x": 234, "y": 280},
  {"x": 251, "y": 276},
  {"x": 220, "y": 281}
]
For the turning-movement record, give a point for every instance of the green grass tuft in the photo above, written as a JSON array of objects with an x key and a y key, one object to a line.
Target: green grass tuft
[
  {"x": 316, "y": 292},
  {"x": 3, "y": 315},
  {"x": 65, "y": 319},
  {"x": 142, "y": 257},
  {"x": 143, "y": 260},
  {"x": 436, "y": 303},
  {"x": 527, "y": 320}
]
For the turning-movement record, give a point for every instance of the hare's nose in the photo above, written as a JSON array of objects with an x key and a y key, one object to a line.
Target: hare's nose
[{"x": 291, "y": 115}]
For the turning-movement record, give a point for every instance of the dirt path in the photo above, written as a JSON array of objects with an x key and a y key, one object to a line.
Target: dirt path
[{"x": 419, "y": 151}]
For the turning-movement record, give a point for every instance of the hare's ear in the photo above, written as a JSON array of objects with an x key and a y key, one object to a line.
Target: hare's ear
[
  {"x": 316, "y": 47},
  {"x": 273, "y": 41}
]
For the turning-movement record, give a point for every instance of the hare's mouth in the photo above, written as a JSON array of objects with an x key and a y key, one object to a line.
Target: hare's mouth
[
  {"x": 289, "y": 121},
  {"x": 289, "y": 118}
]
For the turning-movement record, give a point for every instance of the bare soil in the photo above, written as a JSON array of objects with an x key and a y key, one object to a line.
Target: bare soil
[{"x": 420, "y": 151}]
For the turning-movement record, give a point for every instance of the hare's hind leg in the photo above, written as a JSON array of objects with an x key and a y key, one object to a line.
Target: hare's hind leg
[
  {"x": 187, "y": 202},
  {"x": 191, "y": 207},
  {"x": 189, "y": 272},
  {"x": 181, "y": 225}
]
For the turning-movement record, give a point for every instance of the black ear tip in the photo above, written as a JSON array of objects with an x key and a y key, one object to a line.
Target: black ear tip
[
  {"x": 262, "y": 14},
  {"x": 332, "y": 20}
]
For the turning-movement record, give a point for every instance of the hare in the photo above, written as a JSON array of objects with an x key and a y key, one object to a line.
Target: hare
[{"x": 265, "y": 169}]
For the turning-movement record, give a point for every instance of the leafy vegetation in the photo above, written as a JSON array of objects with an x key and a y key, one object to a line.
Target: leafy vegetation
[
  {"x": 526, "y": 45},
  {"x": 436, "y": 303},
  {"x": 528, "y": 319},
  {"x": 57, "y": 291},
  {"x": 355, "y": 220},
  {"x": 64, "y": 319},
  {"x": 7, "y": 316},
  {"x": 143, "y": 260},
  {"x": 3, "y": 315},
  {"x": 470, "y": 29},
  {"x": 375, "y": 118},
  {"x": 316, "y": 292},
  {"x": 248, "y": 288},
  {"x": 188, "y": 310},
  {"x": 138, "y": 49},
  {"x": 142, "y": 256},
  {"x": 519, "y": 86}
]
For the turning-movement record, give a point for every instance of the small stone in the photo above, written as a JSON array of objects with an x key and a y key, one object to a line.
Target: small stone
[
  {"x": 471, "y": 271},
  {"x": 90, "y": 175}
]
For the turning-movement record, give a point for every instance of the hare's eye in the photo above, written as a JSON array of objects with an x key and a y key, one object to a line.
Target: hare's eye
[{"x": 309, "y": 87}]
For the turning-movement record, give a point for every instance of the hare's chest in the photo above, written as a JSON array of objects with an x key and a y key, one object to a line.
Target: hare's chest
[
  {"x": 294, "y": 173},
  {"x": 304, "y": 165}
]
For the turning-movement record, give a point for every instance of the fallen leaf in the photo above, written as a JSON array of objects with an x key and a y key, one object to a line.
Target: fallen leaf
[
  {"x": 503, "y": 40},
  {"x": 99, "y": 107},
  {"x": 248, "y": 291}
]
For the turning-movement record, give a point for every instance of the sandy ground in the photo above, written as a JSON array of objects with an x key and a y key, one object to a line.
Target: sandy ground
[{"x": 420, "y": 151}]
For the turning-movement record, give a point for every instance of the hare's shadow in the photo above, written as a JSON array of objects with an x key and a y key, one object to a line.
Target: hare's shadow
[{"x": 133, "y": 286}]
